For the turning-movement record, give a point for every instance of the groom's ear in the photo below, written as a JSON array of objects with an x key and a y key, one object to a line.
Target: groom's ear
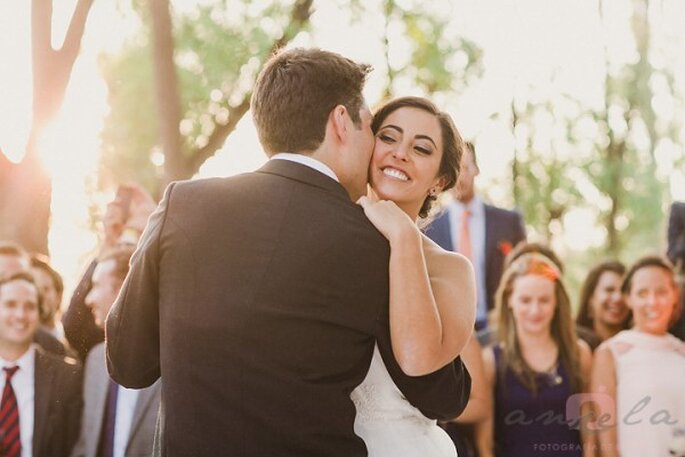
[{"x": 338, "y": 119}]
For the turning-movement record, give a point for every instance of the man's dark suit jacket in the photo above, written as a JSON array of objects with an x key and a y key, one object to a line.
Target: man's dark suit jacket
[
  {"x": 503, "y": 230},
  {"x": 58, "y": 402},
  {"x": 79, "y": 324},
  {"x": 258, "y": 299},
  {"x": 676, "y": 234},
  {"x": 676, "y": 253}
]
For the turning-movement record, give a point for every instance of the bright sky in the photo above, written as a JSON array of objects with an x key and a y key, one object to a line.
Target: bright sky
[{"x": 524, "y": 41}]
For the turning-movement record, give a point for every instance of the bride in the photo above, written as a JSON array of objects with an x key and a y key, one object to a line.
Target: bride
[{"x": 432, "y": 291}]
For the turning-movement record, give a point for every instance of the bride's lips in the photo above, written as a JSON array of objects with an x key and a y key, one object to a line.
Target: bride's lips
[{"x": 395, "y": 173}]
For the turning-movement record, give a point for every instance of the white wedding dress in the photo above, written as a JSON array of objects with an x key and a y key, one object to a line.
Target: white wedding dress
[{"x": 389, "y": 425}]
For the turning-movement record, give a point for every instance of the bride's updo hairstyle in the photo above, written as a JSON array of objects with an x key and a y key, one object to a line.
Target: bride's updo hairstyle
[{"x": 452, "y": 143}]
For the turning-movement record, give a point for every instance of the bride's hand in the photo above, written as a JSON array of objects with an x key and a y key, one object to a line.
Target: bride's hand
[{"x": 388, "y": 218}]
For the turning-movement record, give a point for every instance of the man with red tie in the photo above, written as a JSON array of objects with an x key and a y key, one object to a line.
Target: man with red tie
[
  {"x": 483, "y": 233},
  {"x": 41, "y": 401}
]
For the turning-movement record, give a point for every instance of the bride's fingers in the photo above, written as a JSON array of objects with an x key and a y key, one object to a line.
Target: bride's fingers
[{"x": 364, "y": 201}]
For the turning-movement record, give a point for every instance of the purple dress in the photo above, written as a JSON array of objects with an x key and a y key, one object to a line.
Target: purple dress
[{"x": 533, "y": 425}]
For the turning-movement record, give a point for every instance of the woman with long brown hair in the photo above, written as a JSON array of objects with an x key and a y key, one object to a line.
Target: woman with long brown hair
[
  {"x": 602, "y": 312},
  {"x": 535, "y": 366}
]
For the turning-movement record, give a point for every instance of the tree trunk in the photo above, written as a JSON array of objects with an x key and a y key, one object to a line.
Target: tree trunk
[
  {"x": 166, "y": 87},
  {"x": 25, "y": 190}
]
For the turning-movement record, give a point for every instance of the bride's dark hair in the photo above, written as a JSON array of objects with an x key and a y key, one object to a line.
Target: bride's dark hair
[{"x": 452, "y": 143}]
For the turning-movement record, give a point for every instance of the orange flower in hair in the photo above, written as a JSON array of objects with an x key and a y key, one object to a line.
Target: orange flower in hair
[
  {"x": 543, "y": 269},
  {"x": 534, "y": 263}
]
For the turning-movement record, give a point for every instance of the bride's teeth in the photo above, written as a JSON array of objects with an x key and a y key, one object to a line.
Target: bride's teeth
[{"x": 396, "y": 174}]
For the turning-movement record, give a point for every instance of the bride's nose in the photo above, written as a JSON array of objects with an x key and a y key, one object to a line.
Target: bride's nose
[{"x": 400, "y": 152}]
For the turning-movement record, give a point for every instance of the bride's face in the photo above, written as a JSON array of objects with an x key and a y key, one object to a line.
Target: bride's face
[{"x": 406, "y": 158}]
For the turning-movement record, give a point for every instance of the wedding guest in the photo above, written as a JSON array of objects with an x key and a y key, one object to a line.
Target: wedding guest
[
  {"x": 123, "y": 222},
  {"x": 479, "y": 407},
  {"x": 51, "y": 288},
  {"x": 676, "y": 235},
  {"x": 676, "y": 254},
  {"x": 41, "y": 392},
  {"x": 483, "y": 233},
  {"x": 488, "y": 335},
  {"x": 536, "y": 365},
  {"x": 14, "y": 259},
  {"x": 602, "y": 312},
  {"x": 638, "y": 374},
  {"x": 116, "y": 421}
]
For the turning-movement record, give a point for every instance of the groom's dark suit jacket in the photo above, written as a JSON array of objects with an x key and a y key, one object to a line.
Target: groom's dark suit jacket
[{"x": 258, "y": 299}]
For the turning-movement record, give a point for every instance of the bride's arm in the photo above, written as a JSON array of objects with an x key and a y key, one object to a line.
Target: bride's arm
[{"x": 431, "y": 315}]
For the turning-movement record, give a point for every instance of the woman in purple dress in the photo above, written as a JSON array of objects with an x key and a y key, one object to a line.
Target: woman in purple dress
[{"x": 535, "y": 366}]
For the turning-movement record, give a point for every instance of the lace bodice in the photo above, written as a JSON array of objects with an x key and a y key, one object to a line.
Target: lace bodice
[{"x": 389, "y": 424}]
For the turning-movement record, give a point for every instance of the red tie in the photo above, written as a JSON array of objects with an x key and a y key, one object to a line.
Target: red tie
[
  {"x": 10, "y": 442},
  {"x": 465, "y": 236}
]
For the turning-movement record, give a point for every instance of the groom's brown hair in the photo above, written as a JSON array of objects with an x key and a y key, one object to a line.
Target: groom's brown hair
[{"x": 295, "y": 93}]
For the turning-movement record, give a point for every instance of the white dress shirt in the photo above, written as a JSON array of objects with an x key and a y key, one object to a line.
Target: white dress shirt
[
  {"x": 126, "y": 405},
  {"x": 477, "y": 234},
  {"x": 308, "y": 161},
  {"x": 24, "y": 385}
]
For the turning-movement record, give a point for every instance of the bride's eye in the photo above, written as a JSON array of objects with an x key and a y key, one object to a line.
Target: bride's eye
[
  {"x": 423, "y": 150},
  {"x": 386, "y": 138}
]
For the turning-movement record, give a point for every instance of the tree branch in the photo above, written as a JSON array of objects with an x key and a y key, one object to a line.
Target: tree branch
[
  {"x": 41, "y": 35},
  {"x": 299, "y": 17},
  {"x": 77, "y": 26},
  {"x": 218, "y": 137}
]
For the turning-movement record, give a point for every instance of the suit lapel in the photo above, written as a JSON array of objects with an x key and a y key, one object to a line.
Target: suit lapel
[
  {"x": 44, "y": 382},
  {"x": 99, "y": 396},
  {"x": 489, "y": 232},
  {"x": 439, "y": 231},
  {"x": 145, "y": 397}
]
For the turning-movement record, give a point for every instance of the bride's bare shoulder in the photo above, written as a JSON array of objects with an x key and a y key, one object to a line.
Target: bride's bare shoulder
[{"x": 442, "y": 261}]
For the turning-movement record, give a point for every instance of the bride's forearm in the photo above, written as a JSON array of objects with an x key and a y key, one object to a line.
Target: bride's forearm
[{"x": 418, "y": 325}]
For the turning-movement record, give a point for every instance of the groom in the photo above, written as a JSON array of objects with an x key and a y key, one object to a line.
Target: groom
[{"x": 258, "y": 298}]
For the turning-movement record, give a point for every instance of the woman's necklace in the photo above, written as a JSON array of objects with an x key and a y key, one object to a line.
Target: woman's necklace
[{"x": 552, "y": 375}]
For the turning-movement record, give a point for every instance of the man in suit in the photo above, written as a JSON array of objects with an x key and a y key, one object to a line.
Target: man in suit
[
  {"x": 41, "y": 392},
  {"x": 259, "y": 298},
  {"x": 482, "y": 232},
  {"x": 676, "y": 254},
  {"x": 116, "y": 421},
  {"x": 14, "y": 259}
]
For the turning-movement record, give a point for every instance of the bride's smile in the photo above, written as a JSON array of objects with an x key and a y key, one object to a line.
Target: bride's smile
[{"x": 406, "y": 158}]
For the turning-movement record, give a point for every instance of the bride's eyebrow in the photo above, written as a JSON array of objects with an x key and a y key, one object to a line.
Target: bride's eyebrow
[
  {"x": 426, "y": 137},
  {"x": 394, "y": 127},
  {"x": 400, "y": 130}
]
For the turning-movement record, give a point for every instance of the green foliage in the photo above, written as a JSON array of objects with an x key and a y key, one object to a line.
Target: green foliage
[
  {"x": 543, "y": 187},
  {"x": 440, "y": 59},
  {"x": 219, "y": 49},
  {"x": 130, "y": 131}
]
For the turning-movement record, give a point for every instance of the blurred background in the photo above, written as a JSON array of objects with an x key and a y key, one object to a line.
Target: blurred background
[{"x": 576, "y": 108}]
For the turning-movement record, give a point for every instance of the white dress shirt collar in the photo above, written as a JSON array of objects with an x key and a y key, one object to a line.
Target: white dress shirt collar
[
  {"x": 307, "y": 161},
  {"x": 476, "y": 206},
  {"x": 127, "y": 400}
]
